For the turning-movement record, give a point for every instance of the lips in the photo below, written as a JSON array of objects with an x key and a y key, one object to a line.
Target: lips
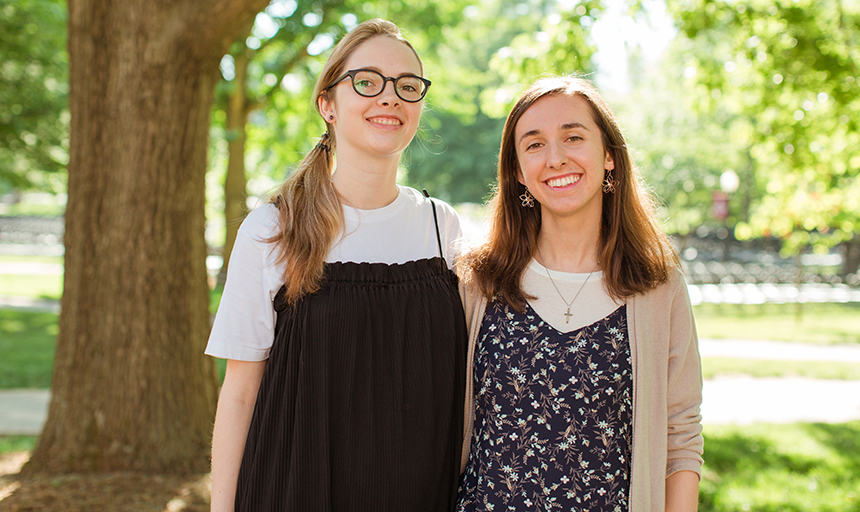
[
  {"x": 563, "y": 181},
  {"x": 388, "y": 121}
]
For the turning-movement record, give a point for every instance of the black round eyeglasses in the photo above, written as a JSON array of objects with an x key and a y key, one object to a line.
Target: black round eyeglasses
[{"x": 370, "y": 83}]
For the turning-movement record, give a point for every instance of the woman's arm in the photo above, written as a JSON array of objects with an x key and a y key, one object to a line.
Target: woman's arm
[
  {"x": 235, "y": 408},
  {"x": 684, "y": 388},
  {"x": 682, "y": 492},
  {"x": 684, "y": 399}
]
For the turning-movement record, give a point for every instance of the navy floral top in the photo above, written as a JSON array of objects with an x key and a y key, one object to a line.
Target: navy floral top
[{"x": 553, "y": 419}]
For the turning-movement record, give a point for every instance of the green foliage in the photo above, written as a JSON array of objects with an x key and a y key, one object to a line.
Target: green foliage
[
  {"x": 26, "y": 349},
  {"x": 34, "y": 118},
  {"x": 680, "y": 151},
  {"x": 769, "y": 468},
  {"x": 785, "y": 74},
  {"x": 455, "y": 158}
]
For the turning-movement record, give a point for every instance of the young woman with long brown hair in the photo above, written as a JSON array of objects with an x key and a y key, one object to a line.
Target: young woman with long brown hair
[
  {"x": 340, "y": 319},
  {"x": 583, "y": 362}
]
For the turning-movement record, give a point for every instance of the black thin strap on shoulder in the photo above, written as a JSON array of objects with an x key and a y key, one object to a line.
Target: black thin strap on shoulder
[{"x": 435, "y": 221}]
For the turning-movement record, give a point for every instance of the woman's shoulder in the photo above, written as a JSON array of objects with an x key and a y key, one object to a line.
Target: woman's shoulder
[
  {"x": 418, "y": 199},
  {"x": 674, "y": 285},
  {"x": 261, "y": 223}
]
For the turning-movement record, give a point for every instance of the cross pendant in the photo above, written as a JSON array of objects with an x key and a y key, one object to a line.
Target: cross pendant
[{"x": 567, "y": 314}]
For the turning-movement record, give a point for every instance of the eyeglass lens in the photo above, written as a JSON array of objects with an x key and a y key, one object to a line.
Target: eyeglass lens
[{"x": 370, "y": 83}]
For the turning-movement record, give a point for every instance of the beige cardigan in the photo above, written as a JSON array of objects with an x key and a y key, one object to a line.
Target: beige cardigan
[{"x": 667, "y": 388}]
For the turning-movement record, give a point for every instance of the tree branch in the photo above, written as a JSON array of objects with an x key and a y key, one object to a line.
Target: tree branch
[
  {"x": 296, "y": 58},
  {"x": 217, "y": 23}
]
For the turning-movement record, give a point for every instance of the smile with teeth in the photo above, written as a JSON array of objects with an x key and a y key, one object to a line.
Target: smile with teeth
[
  {"x": 563, "y": 180},
  {"x": 385, "y": 120}
]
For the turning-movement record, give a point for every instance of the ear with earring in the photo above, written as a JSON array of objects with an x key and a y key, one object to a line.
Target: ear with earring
[
  {"x": 528, "y": 199},
  {"x": 608, "y": 183}
]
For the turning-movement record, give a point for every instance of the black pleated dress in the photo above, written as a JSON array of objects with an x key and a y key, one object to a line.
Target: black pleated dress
[{"x": 361, "y": 403}]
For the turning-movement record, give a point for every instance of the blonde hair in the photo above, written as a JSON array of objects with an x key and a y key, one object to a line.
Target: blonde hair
[
  {"x": 310, "y": 213},
  {"x": 636, "y": 255}
]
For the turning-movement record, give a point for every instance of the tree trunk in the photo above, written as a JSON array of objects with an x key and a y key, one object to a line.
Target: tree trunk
[
  {"x": 851, "y": 257},
  {"x": 131, "y": 388},
  {"x": 235, "y": 183}
]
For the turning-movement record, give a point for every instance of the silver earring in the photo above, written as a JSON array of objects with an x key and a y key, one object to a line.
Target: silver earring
[{"x": 528, "y": 199}]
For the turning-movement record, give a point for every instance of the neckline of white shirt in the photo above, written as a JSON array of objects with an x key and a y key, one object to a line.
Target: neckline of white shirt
[
  {"x": 376, "y": 214},
  {"x": 568, "y": 277}
]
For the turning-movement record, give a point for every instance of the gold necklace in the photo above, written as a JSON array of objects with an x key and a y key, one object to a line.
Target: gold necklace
[{"x": 567, "y": 314}]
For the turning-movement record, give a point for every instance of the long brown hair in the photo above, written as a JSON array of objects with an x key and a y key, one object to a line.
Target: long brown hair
[
  {"x": 310, "y": 213},
  {"x": 635, "y": 253}
]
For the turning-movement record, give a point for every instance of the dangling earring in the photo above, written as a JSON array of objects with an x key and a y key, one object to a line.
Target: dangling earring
[
  {"x": 608, "y": 183},
  {"x": 528, "y": 199}
]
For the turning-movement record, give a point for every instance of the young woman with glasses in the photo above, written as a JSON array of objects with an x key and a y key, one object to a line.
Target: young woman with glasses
[
  {"x": 585, "y": 382},
  {"x": 341, "y": 320}
]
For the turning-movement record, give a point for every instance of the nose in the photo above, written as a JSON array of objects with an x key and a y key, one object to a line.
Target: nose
[
  {"x": 556, "y": 157},
  {"x": 388, "y": 97}
]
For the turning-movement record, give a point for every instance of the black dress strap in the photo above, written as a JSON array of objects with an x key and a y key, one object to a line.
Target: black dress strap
[{"x": 435, "y": 222}]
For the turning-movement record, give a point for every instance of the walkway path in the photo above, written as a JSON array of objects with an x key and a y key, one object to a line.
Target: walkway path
[{"x": 726, "y": 400}]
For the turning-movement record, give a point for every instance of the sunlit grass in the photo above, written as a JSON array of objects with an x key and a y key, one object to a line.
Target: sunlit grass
[
  {"x": 727, "y": 366},
  {"x": 10, "y": 444},
  {"x": 809, "y": 467},
  {"x": 27, "y": 342},
  {"x": 29, "y": 208},
  {"x": 34, "y": 286},
  {"x": 827, "y": 323},
  {"x": 14, "y": 258}
]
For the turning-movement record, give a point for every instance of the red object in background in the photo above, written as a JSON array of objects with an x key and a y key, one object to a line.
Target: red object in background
[{"x": 720, "y": 205}]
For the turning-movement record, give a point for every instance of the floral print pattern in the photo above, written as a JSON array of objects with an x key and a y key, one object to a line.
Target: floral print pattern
[{"x": 553, "y": 418}]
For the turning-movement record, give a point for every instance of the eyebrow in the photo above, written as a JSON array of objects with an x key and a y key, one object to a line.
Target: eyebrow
[
  {"x": 566, "y": 126},
  {"x": 374, "y": 68},
  {"x": 569, "y": 126}
]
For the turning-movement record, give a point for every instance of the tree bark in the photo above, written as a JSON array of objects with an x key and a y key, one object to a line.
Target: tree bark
[{"x": 131, "y": 387}]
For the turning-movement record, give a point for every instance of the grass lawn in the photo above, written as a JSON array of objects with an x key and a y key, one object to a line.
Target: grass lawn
[
  {"x": 26, "y": 348},
  {"x": 16, "y": 444},
  {"x": 830, "y": 323},
  {"x": 36, "y": 286},
  {"x": 13, "y": 258},
  {"x": 29, "y": 285},
  {"x": 809, "y": 467},
  {"x": 723, "y": 366}
]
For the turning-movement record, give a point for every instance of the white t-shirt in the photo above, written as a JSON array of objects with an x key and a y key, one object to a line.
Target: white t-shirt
[
  {"x": 592, "y": 304},
  {"x": 402, "y": 231}
]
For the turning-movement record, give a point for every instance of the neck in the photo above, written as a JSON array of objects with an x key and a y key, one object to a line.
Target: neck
[
  {"x": 569, "y": 246},
  {"x": 366, "y": 185}
]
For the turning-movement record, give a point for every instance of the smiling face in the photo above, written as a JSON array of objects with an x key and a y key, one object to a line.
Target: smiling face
[
  {"x": 378, "y": 127},
  {"x": 562, "y": 158}
]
